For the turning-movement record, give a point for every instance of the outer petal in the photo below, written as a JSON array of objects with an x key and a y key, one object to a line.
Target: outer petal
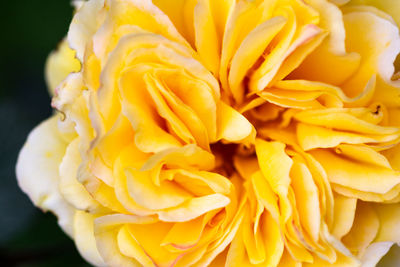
[
  {"x": 59, "y": 64},
  {"x": 83, "y": 26},
  {"x": 37, "y": 171}
]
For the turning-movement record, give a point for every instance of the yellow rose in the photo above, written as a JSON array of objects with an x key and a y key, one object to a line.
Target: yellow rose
[{"x": 223, "y": 133}]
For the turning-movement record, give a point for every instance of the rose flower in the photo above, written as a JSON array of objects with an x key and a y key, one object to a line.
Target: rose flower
[{"x": 223, "y": 133}]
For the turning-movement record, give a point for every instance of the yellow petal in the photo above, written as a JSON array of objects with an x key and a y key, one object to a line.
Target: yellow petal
[
  {"x": 263, "y": 76},
  {"x": 265, "y": 195},
  {"x": 254, "y": 242},
  {"x": 131, "y": 248},
  {"x": 148, "y": 195},
  {"x": 181, "y": 14},
  {"x": 84, "y": 238},
  {"x": 193, "y": 208},
  {"x": 273, "y": 241},
  {"x": 59, "y": 64},
  {"x": 311, "y": 137},
  {"x": 143, "y": 15},
  {"x": 342, "y": 261},
  {"x": 106, "y": 229},
  {"x": 332, "y": 53},
  {"x": 180, "y": 238},
  {"x": 388, "y": 216},
  {"x": 200, "y": 182},
  {"x": 187, "y": 157},
  {"x": 344, "y": 119},
  {"x": 227, "y": 236},
  {"x": 275, "y": 165},
  {"x": 345, "y": 209},
  {"x": 206, "y": 39},
  {"x": 365, "y": 228},
  {"x": 378, "y": 50},
  {"x": 288, "y": 261},
  {"x": 307, "y": 201},
  {"x": 149, "y": 136},
  {"x": 360, "y": 175},
  {"x": 237, "y": 253},
  {"x": 232, "y": 126},
  {"x": 244, "y": 17},
  {"x": 249, "y": 51},
  {"x": 132, "y": 157}
]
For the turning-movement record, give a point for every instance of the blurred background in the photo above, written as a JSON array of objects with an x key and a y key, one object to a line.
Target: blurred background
[{"x": 31, "y": 29}]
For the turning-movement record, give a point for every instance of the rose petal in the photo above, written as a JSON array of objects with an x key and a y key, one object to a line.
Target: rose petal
[
  {"x": 193, "y": 208},
  {"x": 84, "y": 238},
  {"x": 59, "y": 64},
  {"x": 37, "y": 171}
]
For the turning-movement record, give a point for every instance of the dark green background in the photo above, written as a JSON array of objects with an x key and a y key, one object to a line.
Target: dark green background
[{"x": 29, "y": 31}]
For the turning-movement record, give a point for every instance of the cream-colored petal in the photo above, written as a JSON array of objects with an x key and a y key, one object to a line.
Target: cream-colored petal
[
  {"x": 84, "y": 24},
  {"x": 37, "y": 171}
]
